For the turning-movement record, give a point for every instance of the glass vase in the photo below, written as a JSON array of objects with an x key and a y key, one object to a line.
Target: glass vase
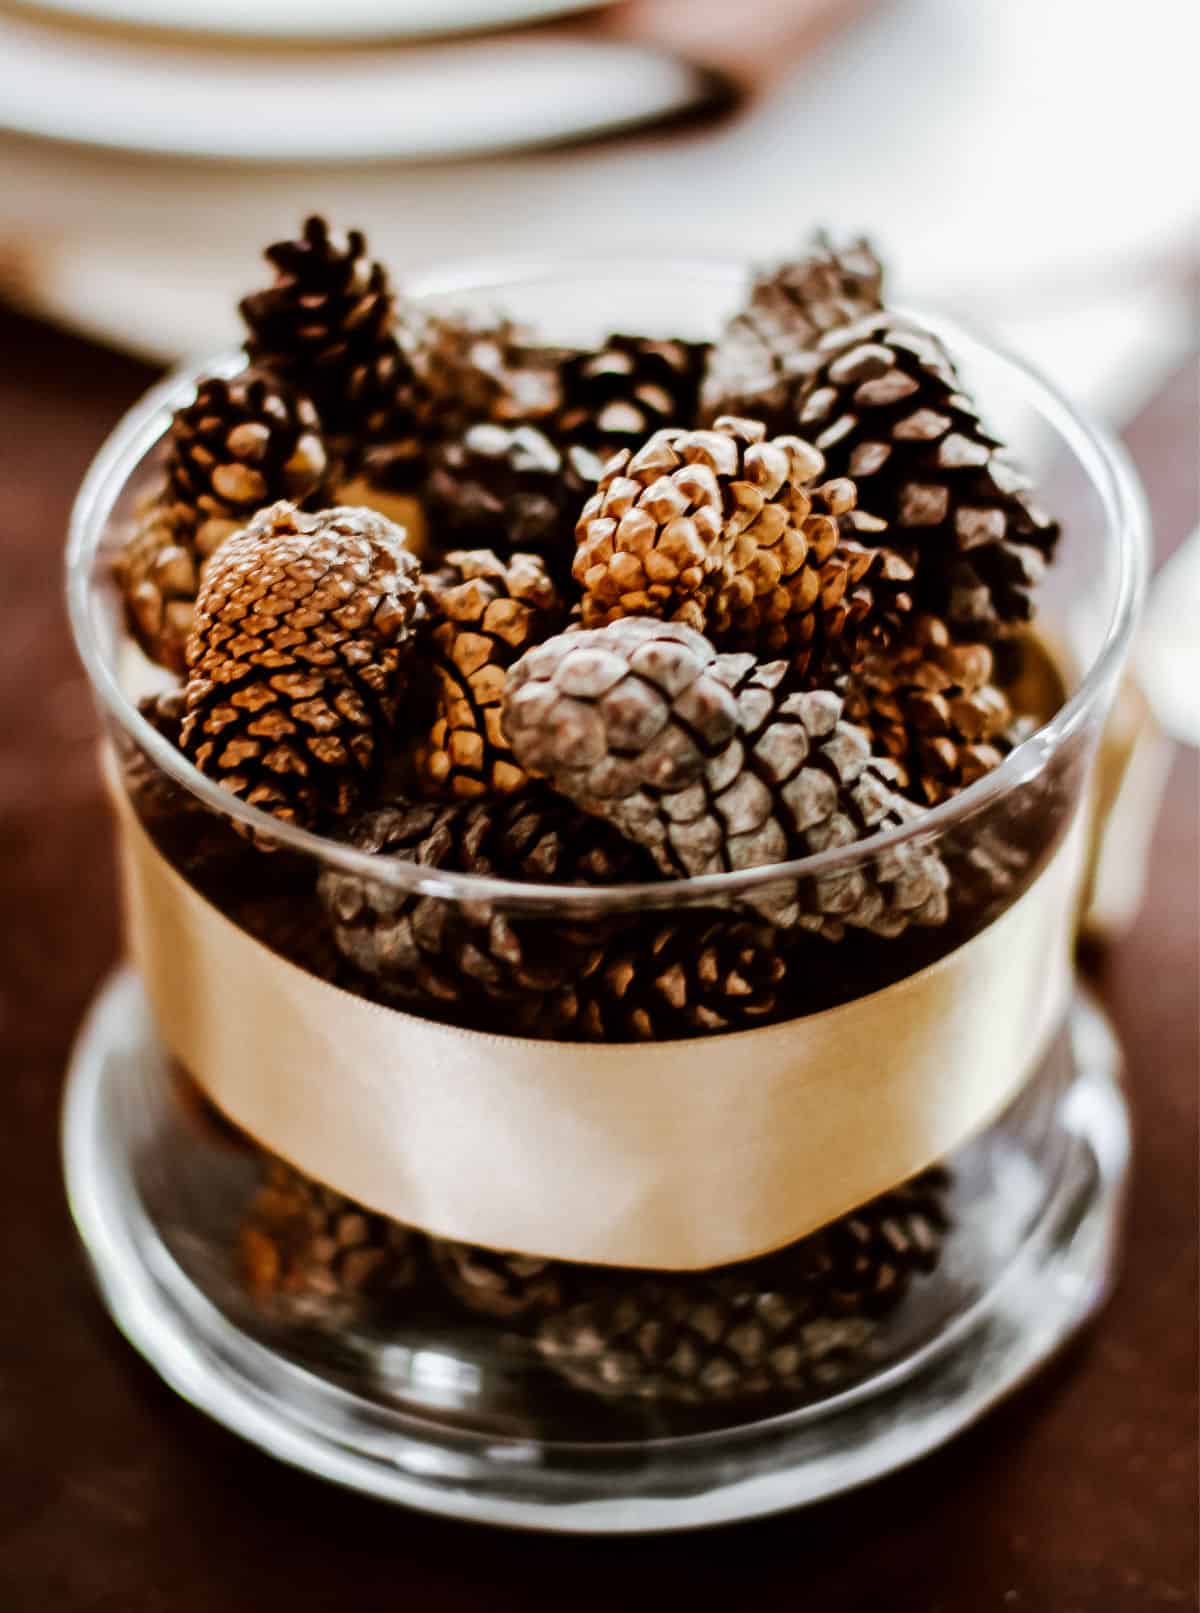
[{"x": 458, "y": 1255}]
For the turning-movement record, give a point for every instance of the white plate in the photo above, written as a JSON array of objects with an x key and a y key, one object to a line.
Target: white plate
[
  {"x": 270, "y": 104},
  {"x": 317, "y": 19}
]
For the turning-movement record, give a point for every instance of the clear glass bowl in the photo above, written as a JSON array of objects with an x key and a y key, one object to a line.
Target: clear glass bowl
[{"x": 563, "y": 1395}]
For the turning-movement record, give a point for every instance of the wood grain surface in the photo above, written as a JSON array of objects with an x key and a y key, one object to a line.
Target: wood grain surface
[{"x": 1079, "y": 1496}]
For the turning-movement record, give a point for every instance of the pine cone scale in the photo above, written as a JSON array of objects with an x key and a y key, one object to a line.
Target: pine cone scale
[{"x": 765, "y": 352}]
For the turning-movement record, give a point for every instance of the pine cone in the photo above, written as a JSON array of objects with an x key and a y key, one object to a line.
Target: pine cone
[
  {"x": 198, "y": 843},
  {"x": 287, "y": 918},
  {"x": 665, "y": 979},
  {"x": 618, "y": 396},
  {"x": 765, "y": 353},
  {"x": 510, "y": 488},
  {"x": 654, "y": 538},
  {"x": 478, "y": 369},
  {"x": 932, "y": 706},
  {"x": 715, "y": 763},
  {"x": 325, "y": 325},
  {"x": 304, "y": 1243},
  {"x": 818, "y": 588},
  {"x": 463, "y": 955},
  {"x": 451, "y": 372},
  {"x": 886, "y": 408},
  {"x": 154, "y": 794},
  {"x": 295, "y": 664},
  {"x": 865, "y": 1261},
  {"x": 242, "y": 444},
  {"x": 486, "y": 612},
  {"x": 727, "y": 532},
  {"x": 157, "y": 572},
  {"x": 500, "y": 1285},
  {"x": 786, "y": 1322}
]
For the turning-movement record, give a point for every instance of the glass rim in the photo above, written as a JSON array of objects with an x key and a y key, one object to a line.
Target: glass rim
[{"x": 1101, "y": 455}]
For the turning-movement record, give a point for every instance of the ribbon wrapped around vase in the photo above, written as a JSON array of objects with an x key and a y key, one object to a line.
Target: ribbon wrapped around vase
[{"x": 615, "y": 1154}]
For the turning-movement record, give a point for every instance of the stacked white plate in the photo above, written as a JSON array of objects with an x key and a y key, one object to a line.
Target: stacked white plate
[{"x": 352, "y": 81}]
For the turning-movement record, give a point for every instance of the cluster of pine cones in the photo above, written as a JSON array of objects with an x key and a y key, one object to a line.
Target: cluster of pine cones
[
  {"x": 795, "y": 1323},
  {"x": 681, "y": 608}
]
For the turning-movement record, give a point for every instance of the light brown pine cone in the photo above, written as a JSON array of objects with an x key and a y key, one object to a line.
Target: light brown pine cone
[
  {"x": 762, "y": 358},
  {"x": 296, "y": 660},
  {"x": 931, "y": 705},
  {"x": 658, "y": 536},
  {"x": 486, "y": 612},
  {"x": 885, "y": 405},
  {"x": 731, "y": 533}
]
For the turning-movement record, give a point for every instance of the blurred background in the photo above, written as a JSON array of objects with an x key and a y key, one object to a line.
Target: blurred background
[{"x": 1027, "y": 163}]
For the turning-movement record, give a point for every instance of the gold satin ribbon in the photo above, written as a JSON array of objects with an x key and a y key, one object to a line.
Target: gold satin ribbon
[{"x": 678, "y": 1155}]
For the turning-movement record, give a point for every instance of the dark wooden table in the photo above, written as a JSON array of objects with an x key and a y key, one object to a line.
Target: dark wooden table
[{"x": 115, "y": 1497}]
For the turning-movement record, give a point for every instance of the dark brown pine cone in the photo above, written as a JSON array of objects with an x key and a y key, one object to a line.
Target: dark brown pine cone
[
  {"x": 199, "y": 844},
  {"x": 932, "y": 706},
  {"x": 666, "y": 978},
  {"x": 510, "y": 488},
  {"x": 158, "y": 572},
  {"x": 619, "y": 395},
  {"x": 715, "y": 763},
  {"x": 766, "y": 351},
  {"x": 456, "y": 954},
  {"x": 155, "y": 796},
  {"x": 865, "y": 1261},
  {"x": 306, "y": 1244},
  {"x": 885, "y": 407},
  {"x": 242, "y": 444},
  {"x": 476, "y": 369},
  {"x": 486, "y": 612},
  {"x": 790, "y": 1321},
  {"x": 285, "y": 915},
  {"x": 325, "y": 325},
  {"x": 493, "y": 1284},
  {"x": 296, "y": 660},
  {"x": 451, "y": 372}
]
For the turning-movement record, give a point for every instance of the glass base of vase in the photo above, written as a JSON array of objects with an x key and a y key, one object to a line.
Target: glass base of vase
[{"x": 457, "y": 1442}]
